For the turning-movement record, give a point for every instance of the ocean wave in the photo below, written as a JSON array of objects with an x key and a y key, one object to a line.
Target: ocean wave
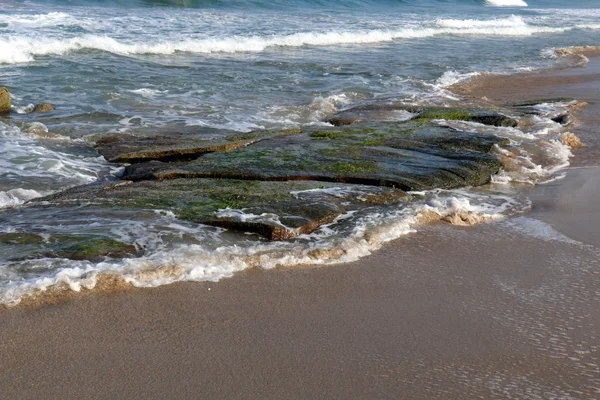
[
  {"x": 511, "y": 22},
  {"x": 37, "y": 20},
  {"x": 282, "y": 4},
  {"x": 506, "y": 3},
  {"x": 15, "y": 197},
  {"x": 21, "y": 49}
]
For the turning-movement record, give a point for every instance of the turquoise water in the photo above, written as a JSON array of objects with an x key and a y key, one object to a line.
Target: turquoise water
[{"x": 144, "y": 66}]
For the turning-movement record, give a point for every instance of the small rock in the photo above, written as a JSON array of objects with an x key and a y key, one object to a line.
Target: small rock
[
  {"x": 562, "y": 119},
  {"x": 4, "y": 100},
  {"x": 44, "y": 107}
]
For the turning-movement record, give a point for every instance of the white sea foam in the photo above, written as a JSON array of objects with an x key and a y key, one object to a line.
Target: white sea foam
[
  {"x": 506, "y": 3},
  {"x": 37, "y": 20},
  {"x": 215, "y": 259},
  {"x": 449, "y": 78},
  {"x": 535, "y": 155},
  {"x": 19, "y": 49},
  {"x": 16, "y": 197},
  {"x": 538, "y": 229},
  {"x": 512, "y": 22},
  {"x": 147, "y": 93},
  {"x": 27, "y": 164}
]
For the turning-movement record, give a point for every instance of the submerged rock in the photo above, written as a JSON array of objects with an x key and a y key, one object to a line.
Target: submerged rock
[
  {"x": 4, "y": 101},
  {"x": 96, "y": 249},
  {"x": 43, "y": 107},
  {"x": 274, "y": 210},
  {"x": 19, "y": 238},
  {"x": 73, "y": 247}
]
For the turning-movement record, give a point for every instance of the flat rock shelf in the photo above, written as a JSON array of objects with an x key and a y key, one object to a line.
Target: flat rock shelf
[{"x": 277, "y": 184}]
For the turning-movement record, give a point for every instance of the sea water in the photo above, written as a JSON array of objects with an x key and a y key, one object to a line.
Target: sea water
[{"x": 133, "y": 66}]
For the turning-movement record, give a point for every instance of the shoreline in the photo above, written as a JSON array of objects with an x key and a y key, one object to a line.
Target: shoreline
[{"x": 503, "y": 309}]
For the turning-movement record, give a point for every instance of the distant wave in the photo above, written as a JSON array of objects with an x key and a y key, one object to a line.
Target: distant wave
[
  {"x": 21, "y": 49},
  {"x": 37, "y": 20},
  {"x": 506, "y": 3},
  {"x": 279, "y": 4}
]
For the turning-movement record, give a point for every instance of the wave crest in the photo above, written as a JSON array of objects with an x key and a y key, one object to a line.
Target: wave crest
[
  {"x": 506, "y": 3},
  {"x": 21, "y": 49}
]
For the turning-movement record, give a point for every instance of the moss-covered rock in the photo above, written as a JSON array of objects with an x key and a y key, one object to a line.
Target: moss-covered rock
[
  {"x": 413, "y": 156},
  {"x": 389, "y": 112},
  {"x": 275, "y": 210},
  {"x": 73, "y": 247},
  {"x": 91, "y": 249},
  {"x": 20, "y": 238}
]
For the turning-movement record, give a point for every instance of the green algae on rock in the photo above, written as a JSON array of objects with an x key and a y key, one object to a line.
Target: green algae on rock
[
  {"x": 388, "y": 112},
  {"x": 73, "y": 247},
  {"x": 408, "y": 156},
  {"x": 275, "y": 210}
]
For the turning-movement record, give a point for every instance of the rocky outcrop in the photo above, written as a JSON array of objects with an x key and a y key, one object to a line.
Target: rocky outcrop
[
  {"x": 4, "y": 101},
  {"x": 405, "y": 156}
]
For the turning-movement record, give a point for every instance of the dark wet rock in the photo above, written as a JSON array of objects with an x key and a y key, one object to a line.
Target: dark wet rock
[
  {"x": 43, "y": 107},
  {"x": 73, "y": 247},
  {"x": 412, "y": 156},
  {"x": 275, "y": 210},
  {"x": 4, "y": 101},
  {"x": 174, "y": 146},
  {"x": 562, "y": 119},
  {"x": 346, "y": 118},
  {"x": 280, "y": 185},
  {"x": 388, "y": 112}
]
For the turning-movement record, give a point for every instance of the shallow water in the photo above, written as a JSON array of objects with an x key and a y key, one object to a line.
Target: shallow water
[{"x": 140, "y": 66}]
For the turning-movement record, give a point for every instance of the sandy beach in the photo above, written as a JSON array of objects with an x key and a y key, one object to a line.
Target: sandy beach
[{"x": 507, "y": 309}]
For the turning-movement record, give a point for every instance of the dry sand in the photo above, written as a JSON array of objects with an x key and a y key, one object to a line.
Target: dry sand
[{"x": 509, "y": 309}]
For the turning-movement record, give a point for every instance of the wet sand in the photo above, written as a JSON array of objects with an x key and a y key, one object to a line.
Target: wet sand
[{"x": 509, "y": 309}]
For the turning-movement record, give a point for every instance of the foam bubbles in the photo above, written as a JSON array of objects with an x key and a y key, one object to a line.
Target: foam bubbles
[
  {"x": 30, "y": 21},
  {"x": 16, "y": 197},
  {"x": 21, "y": 49},
  {"x": 512, "y": 22}
]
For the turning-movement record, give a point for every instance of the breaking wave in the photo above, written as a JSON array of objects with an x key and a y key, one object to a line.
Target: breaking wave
[
  {"x": 22, "y": 49},
  {"x": 506, "y": 3}
]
